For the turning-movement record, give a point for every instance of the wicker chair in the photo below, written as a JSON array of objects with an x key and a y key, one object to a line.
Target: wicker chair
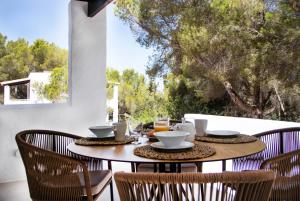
[
  {"x": 287, "y": 183},
  {"x": 55, "y": 174},
  {"x": 278, "y": 142},
  {"x": 229, "y": 186}
]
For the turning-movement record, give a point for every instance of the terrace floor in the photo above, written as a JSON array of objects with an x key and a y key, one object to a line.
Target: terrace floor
[{"x": 18, "y": 190}]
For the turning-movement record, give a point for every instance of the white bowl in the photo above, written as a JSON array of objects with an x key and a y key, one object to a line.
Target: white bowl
[
  {"x": 171, "y": 138},
  {"x": 102, "y": 131}
]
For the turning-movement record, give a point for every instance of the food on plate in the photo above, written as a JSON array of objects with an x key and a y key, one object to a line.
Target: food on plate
[{"x": 150, "y": 133}]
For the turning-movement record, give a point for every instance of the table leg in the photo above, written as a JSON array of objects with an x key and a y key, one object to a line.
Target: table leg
[
  {"x": 179, "y": 167},
  {"x": 111, "y": 183},
  {"x": 161, "y": 167},
  {"x": 133, "y": 167},
  {"x": 223, "y": 165},
  {"x": 155, "y": 167},
  {"x": 173, "y": 168},
  {"x": 199, "y": 167}
]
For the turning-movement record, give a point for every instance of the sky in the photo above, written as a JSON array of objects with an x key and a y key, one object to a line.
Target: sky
[
  {"x": 122, "y": 49},
  {"x": 48, "y": 19},
  {"x": 33, "y": 19}
]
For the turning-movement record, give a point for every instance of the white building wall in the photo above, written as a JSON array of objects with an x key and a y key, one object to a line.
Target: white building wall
[
  {"x": 87, "y": 86},
  {"x": 40, "y": 78},
  {"x": 6, "y": 94}
]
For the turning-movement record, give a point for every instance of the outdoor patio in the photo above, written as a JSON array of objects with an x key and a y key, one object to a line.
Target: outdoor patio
[{"x": 47, "y": 149}]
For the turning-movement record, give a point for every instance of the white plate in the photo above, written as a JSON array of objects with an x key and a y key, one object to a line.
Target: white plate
[
  {"x": 222, "y": 132},
  {"x": 183, "y": 145}
]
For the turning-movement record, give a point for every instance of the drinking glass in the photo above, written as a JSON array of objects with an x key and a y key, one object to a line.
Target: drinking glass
[
  {"x": 135, "y": 133},
  {"x": 162, "y": 124},
  {"x": 136, "y": 136}
]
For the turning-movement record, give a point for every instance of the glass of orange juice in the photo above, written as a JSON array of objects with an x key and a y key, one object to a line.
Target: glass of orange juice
[{"x": 162, "y": 125}]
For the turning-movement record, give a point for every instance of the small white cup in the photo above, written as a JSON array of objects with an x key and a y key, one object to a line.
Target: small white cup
[
  {"x": 120, "y": 131},
  {"x": 201, "y": 126}
]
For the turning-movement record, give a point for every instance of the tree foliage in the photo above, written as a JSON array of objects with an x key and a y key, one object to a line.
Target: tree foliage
[
  {"x": 135, "y": 98},
  {"x": 250, "y": 48},
  {"x": 57, "y": 89},
  {"x": 112, "y": 77},
  {"x": 183, "y": 98},
  {"x": 18, "y": 58},
  {"x": 47, "y": 56}
]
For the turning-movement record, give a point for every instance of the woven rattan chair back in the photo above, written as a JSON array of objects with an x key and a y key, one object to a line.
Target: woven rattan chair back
[
  {"x": 50, "y": 140},
  {"x": 287, "y": 183},
  {"x": 230, "y": 186},
  {"x": 50, "y": 174},
  {"x": 57, "y": 142},
  {"x": 277, "y": 142}
]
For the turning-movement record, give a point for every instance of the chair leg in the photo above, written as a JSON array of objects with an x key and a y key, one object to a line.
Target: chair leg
[{"x": 111, "y": 185}]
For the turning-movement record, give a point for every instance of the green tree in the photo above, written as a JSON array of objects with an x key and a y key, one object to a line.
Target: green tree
[
  {"x": 184, "y": 98},
  {"x": 2, "y": 45},
  {"x": 135, "y": 98},
  {"x": 112, "y": 76},
  {"x": 17, "y": 59},
  {"x": 244, "y": 46},
  {"x": 47, "y": 56},
  {"x": 57, "y": 89}
]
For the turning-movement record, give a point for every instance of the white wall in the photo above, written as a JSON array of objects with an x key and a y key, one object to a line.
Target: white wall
[
  {"x": 247, "y": 126},
  {"x": 88, "y": 97}
]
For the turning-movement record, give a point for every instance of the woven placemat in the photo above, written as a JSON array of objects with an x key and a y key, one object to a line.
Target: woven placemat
[
  {"x": 228, "y": 140},
  {"x": 97, "y": 142},
  {"x": 198, "y": 151}
]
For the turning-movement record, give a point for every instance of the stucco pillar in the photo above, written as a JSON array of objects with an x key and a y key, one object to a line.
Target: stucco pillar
[
  {"x": 6, "y": 94},
  {"x": 88, "y": 55}
]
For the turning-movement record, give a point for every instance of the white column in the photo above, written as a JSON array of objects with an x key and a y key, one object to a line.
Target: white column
[
  {"x": 88, "y": 62},
  {"x": 6, "y": 94},
  {"x": 28, "y": 90}
]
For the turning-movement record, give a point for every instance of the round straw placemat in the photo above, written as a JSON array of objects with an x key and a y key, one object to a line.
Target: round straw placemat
[
  {"x": 198, "y": 151},
  {"x": 97, "y": 142},
  {"x": 227, "y": 140}
]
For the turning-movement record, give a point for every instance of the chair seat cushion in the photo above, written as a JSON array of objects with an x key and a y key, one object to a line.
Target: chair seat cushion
[
  {"x": 287, "y": 183},
  {"x": 185, "y": 167},
  {"x": 99, "y": 179},
  {"x": 64, "y": 182}
]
